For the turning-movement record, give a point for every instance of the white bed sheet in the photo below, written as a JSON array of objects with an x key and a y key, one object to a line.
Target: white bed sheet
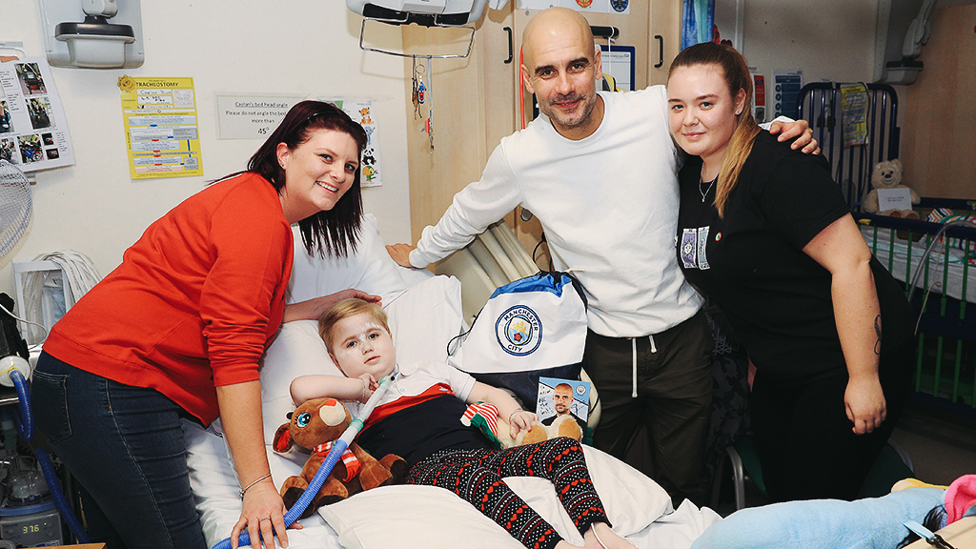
[
  {"x": 425, "y": 312},
  {"x": 953, "y": 283}
]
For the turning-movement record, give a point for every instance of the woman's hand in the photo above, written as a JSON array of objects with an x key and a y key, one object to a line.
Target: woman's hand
[
  {"x": 263, "y": 515},
  {"x": 313, "y": 308},
  {"x": 401, "y": 254},
  {"x": 865, "y": 403},
  {"x": 519, "y": 421}
]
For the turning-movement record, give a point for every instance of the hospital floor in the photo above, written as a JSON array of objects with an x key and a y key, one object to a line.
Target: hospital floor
[{"x": 942, "y": 447}]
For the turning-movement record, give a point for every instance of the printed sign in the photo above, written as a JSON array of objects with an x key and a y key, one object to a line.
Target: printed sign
[
  {"x": 894, "y": 199},
  {"x": 250, "y": 116}
]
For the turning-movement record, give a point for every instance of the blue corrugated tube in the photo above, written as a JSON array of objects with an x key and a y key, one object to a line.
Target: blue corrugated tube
[{"x": 318, "y": 480}]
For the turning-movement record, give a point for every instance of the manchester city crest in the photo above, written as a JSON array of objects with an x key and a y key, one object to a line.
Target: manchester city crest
[{"x": 519, "y": 330}]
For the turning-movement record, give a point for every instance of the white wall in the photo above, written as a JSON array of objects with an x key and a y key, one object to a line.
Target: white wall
[
  {"x": 300, "y": 47},
  {"x": 828, "y": 39}
]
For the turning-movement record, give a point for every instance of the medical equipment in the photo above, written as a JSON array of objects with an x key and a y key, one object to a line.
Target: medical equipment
[
  {"x": 330, "y": 460},
  {"x": 31, "y": 526},
  {"x": 429, "y": 13},
  {"x": 93, "y": 34},
  {"x": 903, "y": 26},
  {"x": 14, "y": 371},
  {"x": 49, "y": 285},
  {"x": 28, "y": 517}
]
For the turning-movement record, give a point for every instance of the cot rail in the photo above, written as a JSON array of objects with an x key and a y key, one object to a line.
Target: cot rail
[{"x": 943, "y": 297}]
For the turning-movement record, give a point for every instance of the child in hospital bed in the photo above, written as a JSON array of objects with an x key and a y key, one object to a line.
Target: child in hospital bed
[{"x": 419, "y": 419}]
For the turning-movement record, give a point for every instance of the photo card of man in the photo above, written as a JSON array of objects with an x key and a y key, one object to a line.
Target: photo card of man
[{"x": 559, "y": 397}]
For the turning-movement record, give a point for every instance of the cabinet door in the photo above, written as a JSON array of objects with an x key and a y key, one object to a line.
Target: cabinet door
[{"x": 665, "y": 37}]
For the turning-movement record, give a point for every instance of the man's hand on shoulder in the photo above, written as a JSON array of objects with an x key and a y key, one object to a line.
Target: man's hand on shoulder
[{"x": 800, "y": 130}]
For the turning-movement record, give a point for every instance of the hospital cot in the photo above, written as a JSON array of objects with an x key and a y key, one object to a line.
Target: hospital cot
[{"x": 944, "y": 290}]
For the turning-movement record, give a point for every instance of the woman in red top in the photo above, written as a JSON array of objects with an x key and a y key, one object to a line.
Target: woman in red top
[{"x": 176, "y": 331}]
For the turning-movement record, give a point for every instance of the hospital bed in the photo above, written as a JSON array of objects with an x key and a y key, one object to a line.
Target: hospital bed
[
  {"x": 425, "y": 313},
  {"x": 945, "y": 278}
]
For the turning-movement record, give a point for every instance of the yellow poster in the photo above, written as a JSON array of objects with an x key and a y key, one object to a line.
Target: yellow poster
[
  {"x": 160, "y": 117},
  {"x": 854, "y": 110}
]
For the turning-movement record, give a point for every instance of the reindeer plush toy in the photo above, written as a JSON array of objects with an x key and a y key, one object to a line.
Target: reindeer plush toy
[{"x": 314, "y": 426}]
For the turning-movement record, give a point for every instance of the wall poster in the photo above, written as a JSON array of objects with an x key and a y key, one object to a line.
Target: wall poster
[
  {"x": 160, "y": 119},
  {"x": 33, "y": 128}
]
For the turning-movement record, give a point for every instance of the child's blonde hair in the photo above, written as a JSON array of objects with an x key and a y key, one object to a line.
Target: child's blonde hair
[{"x": 345, "y": 309}]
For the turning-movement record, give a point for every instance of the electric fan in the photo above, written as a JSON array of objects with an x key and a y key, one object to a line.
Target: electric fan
[
  {"x": 15, "y": 206},
  {"x": 15, "y": 216}
]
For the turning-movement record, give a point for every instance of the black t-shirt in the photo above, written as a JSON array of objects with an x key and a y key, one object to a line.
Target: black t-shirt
[
  {"x": 751, "y": 263},
  {"x": 421, "y": 430}
]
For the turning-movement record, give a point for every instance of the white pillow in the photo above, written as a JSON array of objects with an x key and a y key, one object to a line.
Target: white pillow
[
  {"x": 395, "y": 516},
  {"x": 370, "y": 269},
  {"x": 385, "y": 517}
]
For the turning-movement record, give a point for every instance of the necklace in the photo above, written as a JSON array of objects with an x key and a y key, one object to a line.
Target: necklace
[{"x": 705, "y": 190}]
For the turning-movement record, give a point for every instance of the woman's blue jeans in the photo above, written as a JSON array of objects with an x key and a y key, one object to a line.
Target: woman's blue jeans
[{"x": 125, "y": 446}]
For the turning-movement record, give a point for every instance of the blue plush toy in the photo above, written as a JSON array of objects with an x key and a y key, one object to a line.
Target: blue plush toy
[{"x": 864, "y": 523}]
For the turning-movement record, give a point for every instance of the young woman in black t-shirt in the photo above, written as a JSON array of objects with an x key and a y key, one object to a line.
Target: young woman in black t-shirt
[{"x": 765, "y": 233}]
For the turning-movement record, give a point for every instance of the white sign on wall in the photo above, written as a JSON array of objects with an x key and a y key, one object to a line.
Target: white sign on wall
[{"x": 250, "y": 116}]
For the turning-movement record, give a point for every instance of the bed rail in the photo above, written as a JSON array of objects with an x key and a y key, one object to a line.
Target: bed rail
[{"x": 937, "y": 265}]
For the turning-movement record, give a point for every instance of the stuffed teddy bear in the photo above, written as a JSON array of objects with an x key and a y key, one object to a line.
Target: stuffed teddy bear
[
  {"x": 485, "y": 416},
  {"x": 314, "y": 426},
  {"x": 887, "y": 175},
  {"x": 563, "y": 426}
]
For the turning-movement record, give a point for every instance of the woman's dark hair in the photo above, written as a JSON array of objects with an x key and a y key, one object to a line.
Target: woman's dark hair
[{"x": 334, "y": 232}]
